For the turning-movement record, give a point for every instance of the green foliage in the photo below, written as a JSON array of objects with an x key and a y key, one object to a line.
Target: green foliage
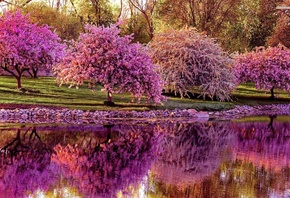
[
  {"x": 98, "y": 12},
  {"x": 66, "y": 26},
  {"x": 136, "y": 25},
  {"x": 250, "y": 27},
  {"x": 83, "y": 98}
]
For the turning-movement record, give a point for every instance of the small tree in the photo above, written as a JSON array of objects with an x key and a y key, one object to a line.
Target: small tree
[
  {"x": 268, "y": 68},
  {"x": 102, "y": 56},
  {"x": 25, "y": 46},
  {"x": 189, "y": 60}
]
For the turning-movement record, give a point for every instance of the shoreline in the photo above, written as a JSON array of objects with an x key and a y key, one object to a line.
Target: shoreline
[
  {"x": 40, "y": 114},
  {"x": 63, "y": 115}
]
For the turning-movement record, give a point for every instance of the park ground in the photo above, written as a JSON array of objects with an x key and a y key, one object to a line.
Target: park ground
[{"x": 44, "y": 92}]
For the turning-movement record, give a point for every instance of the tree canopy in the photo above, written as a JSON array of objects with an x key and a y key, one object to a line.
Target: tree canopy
[
  {"x": 26, "y": 46},
  {"x": 268, "y": 68},
  {"x": 101, "y": 56}
]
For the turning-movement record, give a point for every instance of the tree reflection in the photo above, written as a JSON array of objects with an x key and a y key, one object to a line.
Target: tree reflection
[
  {"x": 213, "y": 159},
  {"x": 258, "y": 166},
  {"x": 191, "y": 152},
  {"x": 102, "y": 169},
  {"x": 264, "y": 144},
  {"x": 98, "y": 161},
  {"x": 25, "y": 164}
]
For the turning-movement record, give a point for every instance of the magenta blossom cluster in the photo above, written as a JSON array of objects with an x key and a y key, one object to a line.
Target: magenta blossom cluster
[
  {"x": 267, "y": 67},
  {"x": 102, "y": 56},
  {"x": 25, "y": 46}
]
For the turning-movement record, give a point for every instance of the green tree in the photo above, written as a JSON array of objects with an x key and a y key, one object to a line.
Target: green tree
[
  {"x": 97, "y": 12},
  {"x": 146, "y": 9},
  {"x": 67, "y": 26},
  {"x": 136, "y": 24},
  {"x": 251, "y": 26},
  {"x": 205, "y": 15}
]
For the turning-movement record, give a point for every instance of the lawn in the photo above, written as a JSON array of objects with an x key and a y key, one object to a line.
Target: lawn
[{"x": 44, "y": 91}]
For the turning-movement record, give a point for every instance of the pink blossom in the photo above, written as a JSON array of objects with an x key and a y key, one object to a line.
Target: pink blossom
[
  {"x": 26, "y": 46},
  {"x": 102, "y": 56}
]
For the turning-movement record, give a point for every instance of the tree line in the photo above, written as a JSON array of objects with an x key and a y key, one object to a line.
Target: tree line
[
  {"x": 184, "y": 62},
  {"x": 238, "y": 25}
]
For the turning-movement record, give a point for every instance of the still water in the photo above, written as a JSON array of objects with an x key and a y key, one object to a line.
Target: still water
[{"x": 240, "y": 158}]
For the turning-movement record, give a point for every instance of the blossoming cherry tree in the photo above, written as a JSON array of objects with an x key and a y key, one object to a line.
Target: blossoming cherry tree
[
  {"x": 24, "y": 46},
  {"x": 102, "y": 57}
]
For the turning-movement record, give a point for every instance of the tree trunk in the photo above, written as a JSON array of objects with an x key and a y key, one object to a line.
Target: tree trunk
[
  {"x": 34, "y": 70},
  {"x": 109, "y": 96},
  {"x": 18, "y": 82},
  {"x": 109, "y": 101},
  {"x": 272, "y": 93}
]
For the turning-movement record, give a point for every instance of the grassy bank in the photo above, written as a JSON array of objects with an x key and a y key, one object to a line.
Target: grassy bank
[{"x": 44, "y": 91}]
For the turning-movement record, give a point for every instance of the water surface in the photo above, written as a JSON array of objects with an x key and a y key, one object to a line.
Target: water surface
[{"x": 241, "y": 158}]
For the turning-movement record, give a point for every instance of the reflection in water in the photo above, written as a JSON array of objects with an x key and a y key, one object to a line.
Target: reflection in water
[
  {"x": 264, "y": 144},
  {"x": 191, "y": 152},
  {"x": 101, "y": 170},
  {"x": 25, "y": 163},
  {"x": 98, "y": 163},
  {"x": 214, "y": 159}
]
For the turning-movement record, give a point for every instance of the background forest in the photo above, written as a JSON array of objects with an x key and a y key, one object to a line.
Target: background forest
[{"x": 238, "y": 25}]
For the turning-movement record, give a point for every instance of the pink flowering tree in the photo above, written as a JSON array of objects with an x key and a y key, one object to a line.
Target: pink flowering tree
[
  {"x": 24, "y": 46},
  {"x": 101, "y": 56},
  {"x": 190, "y": 61},
  {"x": 268, "y": 68}
]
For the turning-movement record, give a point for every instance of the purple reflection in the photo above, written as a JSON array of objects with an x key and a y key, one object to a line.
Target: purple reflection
[
  {"x": 25, "y": 164},
  {"x": 264, "y": 144},
  {"x": 191, "y": 152},
  {"x": 123, "y": 158},
  {"x": 98, "y": 161}
]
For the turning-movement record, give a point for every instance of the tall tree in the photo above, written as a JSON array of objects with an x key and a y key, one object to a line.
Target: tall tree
[
  {"x": 251, "y": 26},
  {"x": 67, "y": 26},
  {"x": 237, "y": 24},
  {"x": 97, "y": 12},
  {"x": 205, "y": 15},
  {"x": 146, "y": 8}
]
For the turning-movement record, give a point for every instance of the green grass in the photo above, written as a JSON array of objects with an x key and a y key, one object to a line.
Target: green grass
[
  {"x": 263, "y": 119},
  {"x": 247, "y": 94},
  {"x": 85, "y": 99}
]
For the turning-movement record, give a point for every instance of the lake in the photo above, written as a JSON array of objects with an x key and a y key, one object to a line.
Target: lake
[{"x": 248, "y": 157}]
